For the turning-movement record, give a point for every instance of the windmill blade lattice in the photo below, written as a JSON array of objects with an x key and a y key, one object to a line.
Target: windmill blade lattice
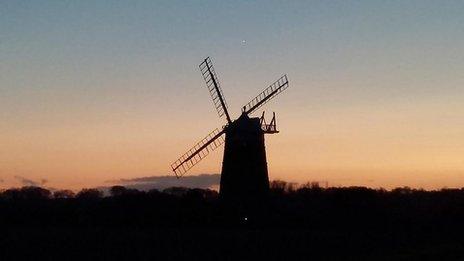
[
  {"x": 270, "y": 92},
  {"x": 211, "y": 142},
  {"x": 212, "y": 82}
]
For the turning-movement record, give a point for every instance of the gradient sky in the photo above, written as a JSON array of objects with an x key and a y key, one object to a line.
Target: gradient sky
[{"x": 92, "y": 91}]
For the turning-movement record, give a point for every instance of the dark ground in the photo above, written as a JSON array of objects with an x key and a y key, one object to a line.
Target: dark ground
[{"x": 305, "y": 224}]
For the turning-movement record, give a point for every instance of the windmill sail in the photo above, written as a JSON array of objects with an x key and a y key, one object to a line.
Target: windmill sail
[
  {"x": 198, "y": 152},
  {"x": 212, "y": 82},
  {"x": 270, "y": 92}
]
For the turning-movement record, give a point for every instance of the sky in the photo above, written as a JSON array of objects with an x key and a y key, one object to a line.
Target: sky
[{"x": 97, "y": 91}]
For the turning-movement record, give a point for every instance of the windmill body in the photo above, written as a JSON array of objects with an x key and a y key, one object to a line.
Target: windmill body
[{"x": 244, "y": 169}]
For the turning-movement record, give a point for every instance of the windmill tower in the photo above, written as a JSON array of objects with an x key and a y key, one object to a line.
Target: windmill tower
[{"x": 244, "y": 169}]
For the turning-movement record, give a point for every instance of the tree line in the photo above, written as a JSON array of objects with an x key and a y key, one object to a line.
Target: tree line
[
  {"x": 287, "y": 205},
  {"x": 297, "y": 222}
]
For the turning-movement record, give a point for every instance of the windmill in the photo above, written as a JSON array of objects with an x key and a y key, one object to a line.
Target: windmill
[{"x": 244, "y": 168}]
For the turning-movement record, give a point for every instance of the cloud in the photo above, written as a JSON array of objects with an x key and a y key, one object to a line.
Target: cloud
[
  {"x": 29, "y": 182},
  {"x": 161, "y": 182}
]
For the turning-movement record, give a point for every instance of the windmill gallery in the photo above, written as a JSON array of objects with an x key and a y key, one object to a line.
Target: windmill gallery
[{"x": 244, "y": 168}]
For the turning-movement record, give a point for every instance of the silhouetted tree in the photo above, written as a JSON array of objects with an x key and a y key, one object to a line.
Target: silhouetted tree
[
  {"x": 280, "y": 186},
  {"x": 311, "y": 185},
  {"x": 10, "y": 194},
  {"x": 403, "y": 190},
  {"x": 87, "y": 193},
  {"x": 176, "y": 191},
  {"x": 117, "y": 191},
  {"x": 27, "y": 193},
  {"x": 153, "y": 192},
  {"x": 201, "y": 194},
  {"x": 65, "y": 193},
  {"x": 210, "y": 194}
]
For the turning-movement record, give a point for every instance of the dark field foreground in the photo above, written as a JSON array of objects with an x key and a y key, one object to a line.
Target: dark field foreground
[{"x": 309, "y": 223}]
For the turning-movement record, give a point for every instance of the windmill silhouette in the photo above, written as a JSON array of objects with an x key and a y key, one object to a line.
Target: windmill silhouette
[{"x": 244, "y": 168}]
